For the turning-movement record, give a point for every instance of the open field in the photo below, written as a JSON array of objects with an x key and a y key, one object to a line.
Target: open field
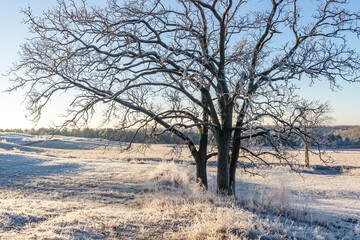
[{"x": 75, "y": 188}]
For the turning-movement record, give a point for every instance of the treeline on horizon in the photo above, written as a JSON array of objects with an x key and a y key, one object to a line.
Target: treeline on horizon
[
  {"x": 340, "y": 136},
  {"x": 128, "y": 135}
]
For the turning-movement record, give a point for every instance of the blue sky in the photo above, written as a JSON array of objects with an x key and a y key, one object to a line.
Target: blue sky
[{"x": 345, "y": 102}]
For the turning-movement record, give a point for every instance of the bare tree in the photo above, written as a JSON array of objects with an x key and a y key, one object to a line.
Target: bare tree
[
  {"x": 222, "y": 66},
  {"x": 311, "y": 116}
]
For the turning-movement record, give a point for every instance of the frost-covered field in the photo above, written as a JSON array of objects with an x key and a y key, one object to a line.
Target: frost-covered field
[{"x": 74, "y": 188}]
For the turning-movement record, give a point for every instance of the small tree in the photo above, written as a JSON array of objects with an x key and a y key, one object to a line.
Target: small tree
[
  {"x": 310, "y": 117},
  {"x": 221, "y": 66}
]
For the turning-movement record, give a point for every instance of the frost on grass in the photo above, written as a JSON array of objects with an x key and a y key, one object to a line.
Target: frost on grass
[
  {"x": 94, "y": 194},
  {"x": 184, "y": 210},
  {"x": 144, "y": 202}
]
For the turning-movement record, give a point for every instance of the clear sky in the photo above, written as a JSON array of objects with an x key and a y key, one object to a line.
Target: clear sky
[{"x": 345, "y": 102}]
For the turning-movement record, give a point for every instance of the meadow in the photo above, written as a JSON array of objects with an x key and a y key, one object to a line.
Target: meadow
[{"x": 78, "y": 188}]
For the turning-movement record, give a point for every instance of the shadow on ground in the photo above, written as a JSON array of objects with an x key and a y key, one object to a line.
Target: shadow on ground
[
  {"x": 65, "y": 144},
  {"x": 30, "y": 174},
  {"x": 23, "y": 166}
]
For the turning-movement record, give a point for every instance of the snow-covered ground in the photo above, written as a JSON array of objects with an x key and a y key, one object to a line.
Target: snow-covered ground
[{"x": 76, "y": 188}]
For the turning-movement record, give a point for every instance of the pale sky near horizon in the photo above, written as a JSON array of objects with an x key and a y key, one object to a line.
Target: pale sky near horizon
[{"x": 345, "y": 103}]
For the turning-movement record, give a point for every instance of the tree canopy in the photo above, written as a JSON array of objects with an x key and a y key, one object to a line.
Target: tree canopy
[{"x": 222, "y": 66}]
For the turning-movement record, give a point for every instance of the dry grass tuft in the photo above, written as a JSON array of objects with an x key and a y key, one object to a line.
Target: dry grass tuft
[
  {"x": 275, "y": 199},
  {"x": 194, "y": 212}
]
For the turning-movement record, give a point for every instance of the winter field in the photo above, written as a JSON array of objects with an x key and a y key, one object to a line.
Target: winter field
[{"x": 76, "y": 188}]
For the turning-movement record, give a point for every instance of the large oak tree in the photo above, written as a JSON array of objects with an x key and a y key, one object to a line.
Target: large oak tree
[{"x": 221, "y": 66}]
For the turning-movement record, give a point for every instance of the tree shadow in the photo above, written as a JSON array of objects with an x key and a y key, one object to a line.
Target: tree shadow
[
  {"x": 20, "y": 166},
  {"x": 11, "y": 221},
  {"x": 13, "y": 146},
  {"x": 20, "y": 172},
  {"x": 66, "y": 144},
  {"x": 39, "y": 176}
]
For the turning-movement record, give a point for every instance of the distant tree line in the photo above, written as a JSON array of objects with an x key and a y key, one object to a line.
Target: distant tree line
[
  {"x": 107, "y": 133},
  {"x": 347, "y": 137},
  {"x": 337, "y": 136}
]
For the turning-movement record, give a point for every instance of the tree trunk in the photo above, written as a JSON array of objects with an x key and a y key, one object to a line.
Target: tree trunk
[
  {"x": 223, "y": 139},
  {"x": 307, "y": 160},
  {"x": 236, "y": 149},
  {"x": 201, "y": 175},
  {"x": 233, "y": 162},
  {"x": 223, "y": 163}
]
